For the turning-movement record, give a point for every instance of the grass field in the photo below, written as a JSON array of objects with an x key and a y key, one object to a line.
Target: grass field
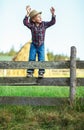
[
  {"x": 63, "y": 117},
  {"x": 42, "y": 118},
  {"x": 39, "y": 91}
]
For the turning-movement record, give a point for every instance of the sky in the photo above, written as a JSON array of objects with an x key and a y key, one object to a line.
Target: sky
[{"x": 68, "y": 30}]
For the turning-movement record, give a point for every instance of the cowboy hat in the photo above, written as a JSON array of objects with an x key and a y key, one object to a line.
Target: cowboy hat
[{"x": 34, "y": 13}]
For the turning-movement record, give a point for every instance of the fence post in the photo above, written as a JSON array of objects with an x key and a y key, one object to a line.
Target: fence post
[{"x": 72, "y": 74}]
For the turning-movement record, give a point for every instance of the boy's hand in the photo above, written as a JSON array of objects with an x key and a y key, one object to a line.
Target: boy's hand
[
  {"x": 28, "y": 9},
  {"x": 52, "y": 10}
]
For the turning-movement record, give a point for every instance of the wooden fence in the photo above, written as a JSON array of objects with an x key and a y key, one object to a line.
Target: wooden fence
[{"x": 71, "y": 82}]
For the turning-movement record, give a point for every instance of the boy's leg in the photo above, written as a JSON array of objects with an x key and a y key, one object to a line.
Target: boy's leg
[
  {"x": 32, "y": 57},
  {"x": 41, "y": 57}
]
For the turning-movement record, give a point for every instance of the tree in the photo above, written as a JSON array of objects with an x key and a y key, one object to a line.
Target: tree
[
  {"x": 52, "y": 57},
  {"x": 12, "y": 51}
]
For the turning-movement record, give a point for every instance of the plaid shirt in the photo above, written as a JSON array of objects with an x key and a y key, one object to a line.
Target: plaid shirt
[{"x": 38, "y": 32}]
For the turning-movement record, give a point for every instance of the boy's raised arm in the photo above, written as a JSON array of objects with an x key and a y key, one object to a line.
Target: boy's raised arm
[
  {"x": 25, "y": 20},
  {"x": 52, "y": 11},
  {"x": 28, "y": 9}
]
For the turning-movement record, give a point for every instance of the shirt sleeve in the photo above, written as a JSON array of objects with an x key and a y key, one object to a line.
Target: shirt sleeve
[
  {"x": 50, "y": 23},
  {"x": 26, "y": 22}
]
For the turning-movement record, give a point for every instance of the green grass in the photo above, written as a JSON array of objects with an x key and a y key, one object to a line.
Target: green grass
[
  {"x": 41, "y": 118},
  {"x": 64, "y": 117},
  {"x": 5, "y": 58},
  {"x": 39, "y": 91}
]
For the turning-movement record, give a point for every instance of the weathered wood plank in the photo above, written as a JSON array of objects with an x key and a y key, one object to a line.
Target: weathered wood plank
[
  {"x": 80, "y": 64},
  {"x": 73, "y": 74},
  {"x": 33, "y": 101},
  {"x": 36, "y": 101},
  {"x": 17, "y": 81},
  {"x": 34, "y": 81},
  {"x": 54, "y": 81},
  {"x": 40, "y": 65},
  {"x": 34, "y": 64},
  {"x": 23, "y": 81},
  {"x": 80, "y": 82}
]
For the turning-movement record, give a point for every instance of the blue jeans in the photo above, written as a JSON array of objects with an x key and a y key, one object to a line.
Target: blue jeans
[{"x": 36, "y": 50}]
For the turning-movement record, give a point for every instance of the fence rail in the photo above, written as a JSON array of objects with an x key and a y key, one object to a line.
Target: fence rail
[
  {"x": 40, "y": 65},
  {"x": 71, "y": 82},
  {"x": 16, "y": 81},
  {"x": 34, "y": 65}
]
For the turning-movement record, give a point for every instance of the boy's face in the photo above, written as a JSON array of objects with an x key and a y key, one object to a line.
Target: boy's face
[{"x": 37, "y": 19}]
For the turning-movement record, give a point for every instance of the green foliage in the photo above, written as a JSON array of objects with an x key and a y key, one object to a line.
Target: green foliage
[
  {"x": 55, "y": 57},
  {"x": 11, "y": 52}
]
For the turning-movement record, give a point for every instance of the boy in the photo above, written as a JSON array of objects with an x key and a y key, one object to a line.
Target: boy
[{"x": 38, "y": 27}]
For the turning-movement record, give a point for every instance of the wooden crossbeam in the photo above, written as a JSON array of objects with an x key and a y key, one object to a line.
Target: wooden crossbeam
[
  {"x": 23, "y": 81},
  {"x": 34, "y": 81},
  {"x": 40, "y": 65},
  {"x": 33, "y": 64},
  {"x": 35, "y": 101}
]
